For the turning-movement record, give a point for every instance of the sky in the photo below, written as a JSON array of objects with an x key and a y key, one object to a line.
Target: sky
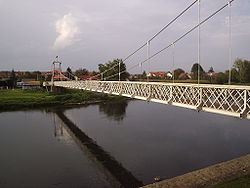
[{"x": 85, "y": 33}]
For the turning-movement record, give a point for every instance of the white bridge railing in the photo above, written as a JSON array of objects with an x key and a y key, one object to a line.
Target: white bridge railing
[{"x": 229, "y": 100}]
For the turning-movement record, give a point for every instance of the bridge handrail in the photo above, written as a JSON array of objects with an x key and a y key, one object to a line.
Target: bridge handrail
[{"x": 238, "y": 87}]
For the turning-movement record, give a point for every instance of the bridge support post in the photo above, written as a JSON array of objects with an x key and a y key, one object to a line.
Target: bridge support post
[
  {"x": 243, "y": 113},
  {"x": 150, "y": 93},
  {"x": 170, "y": 100},
  {"x": 121, "y": 88},
  {"x": 200, "y": 105}
]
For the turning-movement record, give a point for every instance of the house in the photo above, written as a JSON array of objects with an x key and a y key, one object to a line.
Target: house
[
  {"x": 5, "y": 74},
  {"x": 28, "y": 84},
  {"x": 87, "y": 77},
  {"x": 157, "y": 74},
  {"x": 212, "y": 74},
  {"x": 169, "y": 75},
  {"x": 184, "y": 76}
]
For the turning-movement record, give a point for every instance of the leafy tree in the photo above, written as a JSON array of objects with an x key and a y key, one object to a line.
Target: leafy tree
[
  {"x": 94, "y": 73},
  {"x": 144, "y": 75},
  {"x": 70, "y": 73},
  {"x": 13, "y": 79},
  {"x": 211, "y": 70},
  {"x": 31, "y": 75},
  {"x": 210, "y": 73},
  {"x": 194, "y": 71},
  {"x": 37, "y": 75},
  {"x": 234, "y": 75},
  {"x": 27, "y": 74},
  {"x": 112, "y": 68},
  {"x": 243, "y": 68},
  {"x": 221, "y": 78},
  {"x": 81, "y": 72},
  {"x": 177, "y": 73}
]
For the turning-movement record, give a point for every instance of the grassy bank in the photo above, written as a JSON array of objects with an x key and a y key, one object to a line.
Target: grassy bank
[
  {"x": 17, "y": 99},
  {"x": 242, "y": 182}
]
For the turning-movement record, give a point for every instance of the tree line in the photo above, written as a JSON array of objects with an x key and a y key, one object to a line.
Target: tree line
[{"x": 240, "y": 72}]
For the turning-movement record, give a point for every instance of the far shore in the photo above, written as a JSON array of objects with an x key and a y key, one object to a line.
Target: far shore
[{"x": 18, "y": 99}]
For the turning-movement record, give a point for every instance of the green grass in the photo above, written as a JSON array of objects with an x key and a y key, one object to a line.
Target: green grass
[
  {"x": 16, "y": 99},
  {"x": 242, "y": 182}
]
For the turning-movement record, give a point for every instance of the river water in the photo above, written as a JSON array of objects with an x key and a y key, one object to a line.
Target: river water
[{"x": 144, "y": 139}]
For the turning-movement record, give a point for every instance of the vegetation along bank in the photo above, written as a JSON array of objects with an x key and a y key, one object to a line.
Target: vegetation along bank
[{"x": 35, "y": 98}]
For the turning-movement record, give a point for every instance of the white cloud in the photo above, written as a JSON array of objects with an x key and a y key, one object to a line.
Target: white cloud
[{"x": 67, "y": 29}]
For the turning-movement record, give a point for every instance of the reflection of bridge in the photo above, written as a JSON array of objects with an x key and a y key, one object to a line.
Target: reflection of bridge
[
  {"x": 222, "y": 99},
  {"x": 116, "y": 174}
]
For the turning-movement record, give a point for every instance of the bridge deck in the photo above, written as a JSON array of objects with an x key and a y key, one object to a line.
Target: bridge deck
[{"x": 222, "y": 99}]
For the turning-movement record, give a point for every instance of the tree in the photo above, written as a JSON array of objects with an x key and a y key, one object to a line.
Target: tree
[
  {"x": 144, "y": 75},
  {"x": 210, "y": 73},
  {"x": 221, "y": 78},
  {"x": 234, "y": 75},
  {"x": 31, "y": 75},
  {"x": 70, "y": 73},
  {"x": 81, "y": 72},
  {"x": 110, "y": 70},
  {"x": 211, "y": 70},
  {"x": 13, "y": 79},
  {"x": 177, "y": 73},
  {"x": 94, "y": 73},
  {"x": 194, "y": 71},
  {"x": 243, "y": 68}
]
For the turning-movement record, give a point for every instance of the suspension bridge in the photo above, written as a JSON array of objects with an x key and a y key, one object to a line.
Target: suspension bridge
[{"x": 228, "y": 99}]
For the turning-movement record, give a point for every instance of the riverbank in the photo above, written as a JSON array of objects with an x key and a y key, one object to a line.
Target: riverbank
[
  {"x": 231, "y": 174},
  {"x": 36, "y": 98},
  {"x": 241, "y": 182}
]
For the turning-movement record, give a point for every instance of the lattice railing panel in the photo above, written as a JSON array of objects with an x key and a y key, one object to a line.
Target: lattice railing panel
[
  {"x": 248, "y": 103},
  {"x": 224, "y": 99},
  {"x": 128, "y": 88},
  {"x": 186, "y": 95},
  {"x": 161, "y": 92}
]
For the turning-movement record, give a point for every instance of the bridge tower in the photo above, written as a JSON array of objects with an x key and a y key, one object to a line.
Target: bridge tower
[{"x": 56, "y": 72}]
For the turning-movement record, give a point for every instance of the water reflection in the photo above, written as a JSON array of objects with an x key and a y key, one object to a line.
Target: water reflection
[
  {"x": 116, "y": 174},
  {"x": 32, "y": 157},
  {"x": 60, "y": 132},
  {"x": 114, "y": 110}
]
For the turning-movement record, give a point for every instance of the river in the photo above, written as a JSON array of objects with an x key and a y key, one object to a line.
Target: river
[{"x": 141, "y": 140}]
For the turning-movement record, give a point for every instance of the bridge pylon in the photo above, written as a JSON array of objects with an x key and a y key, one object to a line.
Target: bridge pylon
[{"x": 56, "y": 72}]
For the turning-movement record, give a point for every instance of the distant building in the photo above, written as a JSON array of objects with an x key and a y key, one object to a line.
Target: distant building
[
  {"x": 212, "y": 74},
  {"x": 28, "y": 84},
  {"x": 5, "y": 74},
  {"x": 184, "y": 76},
  {"x": 87, "y": 77},
  {"x": 157, "y": 74},
  {"x": 169, "y": 75}
]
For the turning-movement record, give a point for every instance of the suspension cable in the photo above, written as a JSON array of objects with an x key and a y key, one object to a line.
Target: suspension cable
[
  {"x": 154, "y": 36},
  {"x": 199, "y": 41},
  {"x": 148, "y": 54},
  {"x": 119, "y": 71},
  {"x": 230, "y": 43},
  {"x": 173, "y": 56},
  {"x": 181, "y": 37},
  {"x": 165, "y": 27}
]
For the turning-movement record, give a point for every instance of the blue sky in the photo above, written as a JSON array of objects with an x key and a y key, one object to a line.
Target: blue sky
[{"x": 88, "y": 32}]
